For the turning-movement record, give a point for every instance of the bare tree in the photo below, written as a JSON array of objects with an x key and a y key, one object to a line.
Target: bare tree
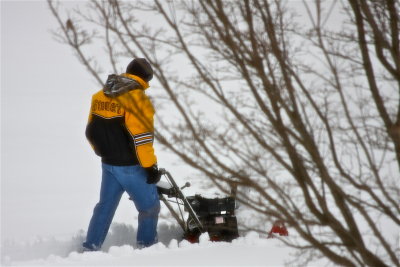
[{"x": 307, "y": 114}]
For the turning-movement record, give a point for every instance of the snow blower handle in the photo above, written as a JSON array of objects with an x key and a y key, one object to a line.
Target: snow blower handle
[
  {"x": 181, "y": 196},
  {"x": 187, "y": 184},
  {"x": 162, "y": 171}
]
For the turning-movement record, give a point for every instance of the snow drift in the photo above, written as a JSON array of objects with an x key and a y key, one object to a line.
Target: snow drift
[{"x": 120, "y": 250}]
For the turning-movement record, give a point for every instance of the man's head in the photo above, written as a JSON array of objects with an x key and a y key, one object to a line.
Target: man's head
[{"x": 140, "y": 67}]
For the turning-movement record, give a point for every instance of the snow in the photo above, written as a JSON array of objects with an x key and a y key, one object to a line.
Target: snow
[
  {"x": 250, "y": 250},
  {"x": 120, "y": 249}
]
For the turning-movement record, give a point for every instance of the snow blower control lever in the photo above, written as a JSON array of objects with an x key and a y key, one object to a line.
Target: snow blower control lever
[{"x": 215, "y": 216}]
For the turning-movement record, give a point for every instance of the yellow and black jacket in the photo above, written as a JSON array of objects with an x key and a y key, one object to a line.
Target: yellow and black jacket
[{"x": 120, "y": 126}]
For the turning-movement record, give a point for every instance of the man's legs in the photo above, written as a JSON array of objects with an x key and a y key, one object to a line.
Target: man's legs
[
  {"x": 145, "y": 197},
  {"x": 110, "y": 195},
  {"x": 147, "y": 226}
]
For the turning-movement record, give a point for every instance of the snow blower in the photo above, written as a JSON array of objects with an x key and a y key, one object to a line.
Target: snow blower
[{"x": 216, "y": 216}]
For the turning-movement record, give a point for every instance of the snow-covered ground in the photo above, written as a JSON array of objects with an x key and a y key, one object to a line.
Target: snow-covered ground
[{"x": 120, "y": 250}]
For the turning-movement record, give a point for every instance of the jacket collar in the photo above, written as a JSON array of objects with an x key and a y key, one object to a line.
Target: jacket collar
[{"x": 142, "y": 82}]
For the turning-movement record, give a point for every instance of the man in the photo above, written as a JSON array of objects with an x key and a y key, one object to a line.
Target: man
[{"x": 120, "y": 130}]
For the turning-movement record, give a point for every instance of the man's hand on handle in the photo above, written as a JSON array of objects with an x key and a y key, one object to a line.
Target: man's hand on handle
[{"x": 153, "y": 174}]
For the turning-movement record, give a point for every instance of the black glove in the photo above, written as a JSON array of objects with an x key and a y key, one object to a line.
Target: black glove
[{"x": 153, "y": 175}]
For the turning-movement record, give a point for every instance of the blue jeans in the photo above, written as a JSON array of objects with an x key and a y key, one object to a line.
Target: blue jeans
[{"x": 115, "y": 181}]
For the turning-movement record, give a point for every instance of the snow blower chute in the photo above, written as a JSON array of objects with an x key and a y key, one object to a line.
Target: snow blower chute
[{"x": 216, "y": 216}]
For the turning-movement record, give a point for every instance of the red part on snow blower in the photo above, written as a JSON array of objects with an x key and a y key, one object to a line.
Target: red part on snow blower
[{"x": 278, "y": 228}]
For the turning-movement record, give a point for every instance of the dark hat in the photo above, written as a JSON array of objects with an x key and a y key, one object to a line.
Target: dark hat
[{"x": 140, "y": 67}]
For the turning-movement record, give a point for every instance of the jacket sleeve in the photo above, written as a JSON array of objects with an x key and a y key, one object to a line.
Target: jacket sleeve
[{"x": 139, "y": 120}]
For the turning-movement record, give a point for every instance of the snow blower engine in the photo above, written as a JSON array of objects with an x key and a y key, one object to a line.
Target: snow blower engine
[{"x": 216, "y": 216}]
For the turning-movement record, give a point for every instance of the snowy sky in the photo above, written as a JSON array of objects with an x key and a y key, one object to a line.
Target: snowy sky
[{"x": 44, "y": 101}]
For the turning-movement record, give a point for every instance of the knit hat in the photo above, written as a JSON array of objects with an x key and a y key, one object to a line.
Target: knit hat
[{"x": 140, "y": 67}]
